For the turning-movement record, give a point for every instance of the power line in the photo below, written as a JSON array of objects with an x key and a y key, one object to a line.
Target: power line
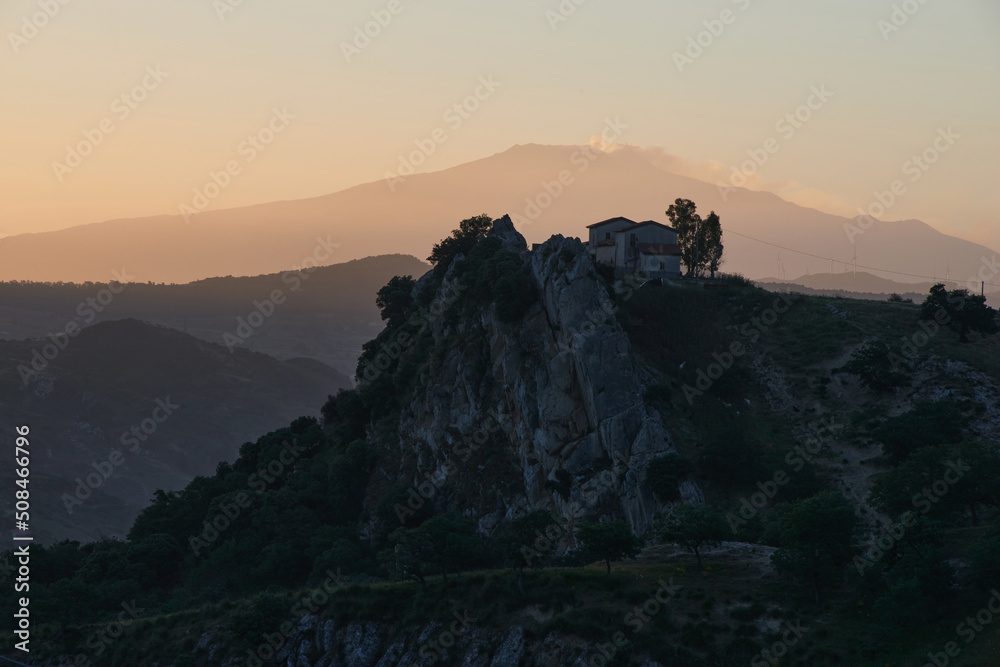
[{"x": 831, "y": 260}]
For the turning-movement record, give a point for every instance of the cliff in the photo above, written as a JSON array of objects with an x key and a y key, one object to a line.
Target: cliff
[{"x": 554, "y": 390}]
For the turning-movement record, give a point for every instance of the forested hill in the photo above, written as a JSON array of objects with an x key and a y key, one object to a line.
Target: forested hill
[{"x": 802, "y": 481}]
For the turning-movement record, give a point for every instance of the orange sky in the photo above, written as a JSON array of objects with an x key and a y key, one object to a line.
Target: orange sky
[{"x": 164, "y": 95}]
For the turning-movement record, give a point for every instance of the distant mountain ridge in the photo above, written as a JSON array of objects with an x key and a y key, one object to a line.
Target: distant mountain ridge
[
  {"x": 546, "y": 190},
  {"x": 188, "y": 404},
  {"x": 326, "y": 313}
]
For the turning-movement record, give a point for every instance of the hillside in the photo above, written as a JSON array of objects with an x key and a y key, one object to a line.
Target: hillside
[
  {"x": 192, "y": 402},
  {"x": 862, "y": 285},
  {"x": 327, "y": 313},
  {"x": 518, "y": 401},
  {"x": 413, "y": 214}
]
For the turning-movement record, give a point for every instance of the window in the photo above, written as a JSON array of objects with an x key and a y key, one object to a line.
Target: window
[
  {"x": 632, "y": 240},
  {"x": 662, "y": 266},
  {"x": 607, "y": 236}
]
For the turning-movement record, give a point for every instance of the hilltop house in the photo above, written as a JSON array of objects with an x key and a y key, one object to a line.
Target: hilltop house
[{"x": 631, "y": 246}]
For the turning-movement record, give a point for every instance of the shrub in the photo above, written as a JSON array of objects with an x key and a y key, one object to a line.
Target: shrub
[
  {"x": 878, "y": 367},
  {"x": 665, "y": 473},
  {"x": 926, "y": 425}
]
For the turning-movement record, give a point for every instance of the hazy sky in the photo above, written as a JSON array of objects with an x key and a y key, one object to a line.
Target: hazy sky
[{"x": 225, "y": 69}]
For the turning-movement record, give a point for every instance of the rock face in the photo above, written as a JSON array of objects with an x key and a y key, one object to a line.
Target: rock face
[{"x": 553, "y": 391}]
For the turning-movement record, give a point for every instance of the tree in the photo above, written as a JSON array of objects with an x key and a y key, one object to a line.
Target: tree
[
  {"x": 410, "y": 555},
  {"x": 456, "y": 543},
  {"x": 927, "y": 424},
  {"x": 685, "y": 221},
  {"x": 878, "y": 367},
  {"x": 445, "y": 543},
  {"x": 516, "y": 541},
  {"x": 700, "y": 240},
  {"x": 942, "y": 479},
  {"x": 711, "y": 243},
  {"x": 461, "y": 241},
  {"x": 394, "y": 300},
  {"x": 959, "y": 310},
  {"x": 817, "y": 540},
  {"x": 610, "y": 541},
  {"x": 693, "y": 527}
]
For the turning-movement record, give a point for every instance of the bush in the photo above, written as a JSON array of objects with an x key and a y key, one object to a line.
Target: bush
[
  {"x": 664, "y": 474},
  {"x": 878, "y": 367},
  {"x": 926, "y": 425}
]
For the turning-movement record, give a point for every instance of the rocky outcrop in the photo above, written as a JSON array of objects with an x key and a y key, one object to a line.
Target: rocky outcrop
[{"x": 554, "y": 391}]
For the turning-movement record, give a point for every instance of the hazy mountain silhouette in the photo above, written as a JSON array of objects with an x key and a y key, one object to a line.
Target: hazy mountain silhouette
[
  {"x": 112, "y": 377},
  {"x": 862, "y": 285},
  {"x": 327, "y": 314},
  {"x": 413, "y": 214}
]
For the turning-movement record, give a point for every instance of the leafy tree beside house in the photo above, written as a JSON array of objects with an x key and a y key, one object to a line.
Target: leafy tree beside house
[
  {"x": 711, "y": 240},
  {"x": 700, "y": 240}
]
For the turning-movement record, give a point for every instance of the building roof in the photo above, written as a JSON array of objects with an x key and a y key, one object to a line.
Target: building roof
[
  {"x": 659, "y": 249},
  {"x": 601, "y": 244},
  {"x": 644, "y": 224},
  {"x": 610, "y": 220}
]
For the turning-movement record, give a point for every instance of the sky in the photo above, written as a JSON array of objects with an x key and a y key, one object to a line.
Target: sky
[{"x": 116, "y": 109}]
